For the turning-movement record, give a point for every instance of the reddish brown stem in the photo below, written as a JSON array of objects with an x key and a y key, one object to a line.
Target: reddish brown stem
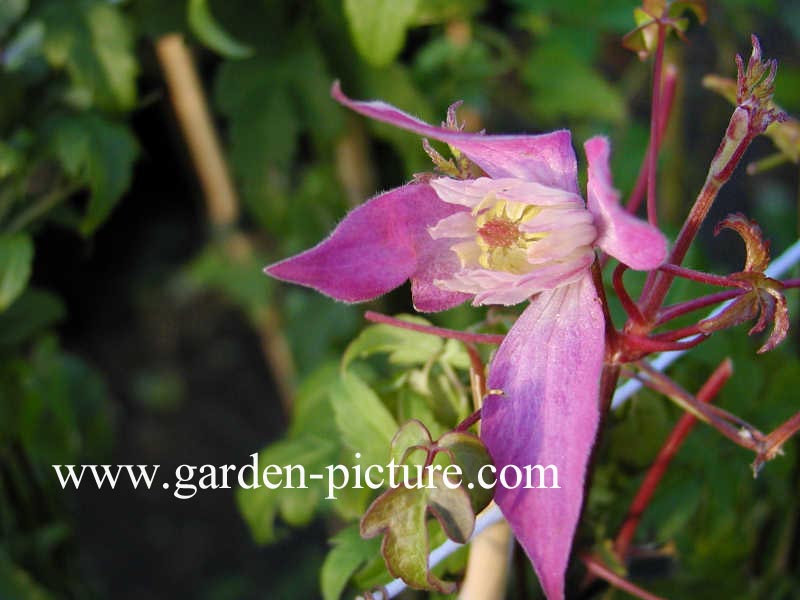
[
  {"x": 469, "y": 421},
  {"x": 677, "y": 334},
  {"x": 637, "y": 345},
  {"x": 627, "y": 302},
  {"x": 677, "y": 310},
  {"x": 667, "y": 101},
  {"x": 652, "y": 156},
  {"x": 742, "y": 434},
  {"x": 597, "y": 568},
  {"x": 791, "y": 283},
  {"x": 701, "y": 277},
  {"x": 656, "y": 472},
  {"x": 776, "y": 440},
  {"x": 475, "y": 338}
]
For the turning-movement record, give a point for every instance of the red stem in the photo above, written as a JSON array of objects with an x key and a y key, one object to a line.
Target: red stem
[
  {"x": 776, "y": 440},
  {"x": 476, "y": 338},
  {"x": 637, "y": 345},
  {"x": 791, "y": 283},
  {"x": 652, "y": 155},
  {"x": 667, "y": 101},
  {"x": 656, "y": 472},
  {"x": 677, "y": 310},
  {"x": 678, "y": 334},
  {"x": 469, "y": 421},
  {"x": 627, "y": 302},
  {"x": 597, "y": 568},
  {"x": 701, "y": 277}
]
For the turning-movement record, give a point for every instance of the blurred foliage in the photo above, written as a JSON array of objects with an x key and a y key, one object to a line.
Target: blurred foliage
[{"x": 69, "y": 73}]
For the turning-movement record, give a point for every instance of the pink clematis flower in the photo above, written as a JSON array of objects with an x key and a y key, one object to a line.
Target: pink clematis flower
[{"x": 521, "y": 232}]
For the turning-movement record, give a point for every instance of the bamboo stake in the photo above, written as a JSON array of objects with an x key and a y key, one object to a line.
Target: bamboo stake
[
  {"x": 222, "y": 203},
  {"x": 191, "y": 109}
]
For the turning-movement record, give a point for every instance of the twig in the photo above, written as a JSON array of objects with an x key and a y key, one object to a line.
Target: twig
[
  {"x": 654, "y": 475},
  {"x": 597, "y": 568},
  {"x": 778, "y": 267}
]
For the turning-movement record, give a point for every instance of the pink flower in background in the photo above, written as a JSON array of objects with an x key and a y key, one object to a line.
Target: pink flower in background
[{"x": 521, "y": 232}]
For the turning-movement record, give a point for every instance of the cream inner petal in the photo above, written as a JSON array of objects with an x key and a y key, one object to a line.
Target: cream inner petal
[{"x": 517, "y": 234}]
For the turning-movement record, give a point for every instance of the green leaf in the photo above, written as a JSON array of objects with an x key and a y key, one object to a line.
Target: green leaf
[
  {"x": 96, "y": 151},
  {"x": 24, "y": 46},
  {"x": 565, "y": 86},
  {"x": 412, "y": 434},
  {"x": 400, "y": 514},
  {"x": 366, "y": 426},
  {"x": 32, "y": 312},
  {"x": 349, "y": 552},
  {"x": 238, "y": 276},
  {"x": 208, "y": 31},
  {"x": 261, "y": 506},
  {"x": 405, "y": 347},
  {"x": 93, "y": 42},
  {"x": 16, "y": 258},
  {"x": 15, "y": 582},
  {"x": 10, "y": 159},
  {"x": 469, "y": 453},
  {"x": 378, "y": 27},
  {"x": 10, "y": 12}
]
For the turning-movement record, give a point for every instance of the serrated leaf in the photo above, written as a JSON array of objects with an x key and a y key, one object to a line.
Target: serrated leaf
[
  {"x": 400, "y": 514},
  {"x": 208, "y": 31},
  {"x": 365, "y": 425},
  {"x": 349, "y": 552},
  {"x": 97, "y": 152},
  {"x": 16, "y": 258},
  {"x": 378, "y": 27},
  {"x": 404, "y": 347},
  {"x": 93, "y": 42}
]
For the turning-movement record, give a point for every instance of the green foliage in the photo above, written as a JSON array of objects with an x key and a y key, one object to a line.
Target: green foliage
[
  {"x": 350, "y": 551},
  {"x": 97, "y": 152},
  {"x": 92, "y": 41},
  {"x": 68, "y": 75},
  {"x": 379, "y": 27},
  {"x": 16, "y": 256},
  {"x": 400, "y": 514},
  {"x": 208, "y": 31}
]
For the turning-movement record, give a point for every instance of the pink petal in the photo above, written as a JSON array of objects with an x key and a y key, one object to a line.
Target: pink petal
[
  {"x": 377, "y": 247},
  {"x": 632, "y": 241},
  {"x": 547, "y": 158},
  {"x": 548, "y": 368}
]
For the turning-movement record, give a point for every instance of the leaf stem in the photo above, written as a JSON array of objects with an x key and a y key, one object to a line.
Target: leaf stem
[
  {"x": 655, "y": 117},
  {"x": 677, "y": 310},
  {"x": 477, "y": 338},
  {"x": 597, "y": 568},
  {"x": 647, "y": 489},
  {"x": 41, "y": 206}
]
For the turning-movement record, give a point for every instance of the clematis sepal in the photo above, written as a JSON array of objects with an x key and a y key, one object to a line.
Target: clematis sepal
[
  {"x": 376, "y": 248},
  {"x": 545, "y": 412}
]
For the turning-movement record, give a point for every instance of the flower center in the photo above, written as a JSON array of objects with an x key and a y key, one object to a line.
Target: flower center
[
  {"x": 499, "y": 233},
  {"x": 503, "y": 247}
]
